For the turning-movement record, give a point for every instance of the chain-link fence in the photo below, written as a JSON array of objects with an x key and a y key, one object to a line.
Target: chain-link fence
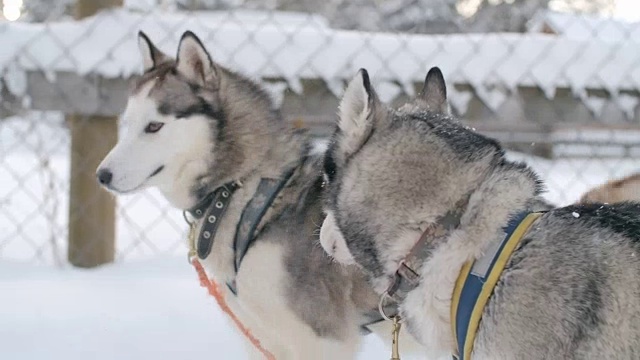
[{"x": 556, "y": 81}]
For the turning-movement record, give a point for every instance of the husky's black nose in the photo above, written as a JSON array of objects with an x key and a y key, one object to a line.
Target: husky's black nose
[{"x": 104, "y": 176}]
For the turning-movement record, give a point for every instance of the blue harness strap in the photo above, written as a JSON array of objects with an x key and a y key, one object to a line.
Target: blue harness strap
[{"x": 477, "y": 280}]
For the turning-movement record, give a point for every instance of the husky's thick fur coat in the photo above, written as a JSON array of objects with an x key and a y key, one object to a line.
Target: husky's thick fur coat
[
  {"x": 571, "y": 289},
  {"x": 191, "y": 126},
  {"x": 615, "y": 191}
]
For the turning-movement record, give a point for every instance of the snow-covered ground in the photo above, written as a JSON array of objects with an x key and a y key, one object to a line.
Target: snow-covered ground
[
  {"x": 149, "y": 309},
  {"x": 149, "y": 304}
]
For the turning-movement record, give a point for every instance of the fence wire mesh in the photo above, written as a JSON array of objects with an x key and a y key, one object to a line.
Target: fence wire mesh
[{"x": 556, "y": 81}]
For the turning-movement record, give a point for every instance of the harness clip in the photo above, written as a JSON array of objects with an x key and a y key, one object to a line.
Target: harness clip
[
  {"x": 191, "y": 238},
  {"x": 395, "y": 346}
]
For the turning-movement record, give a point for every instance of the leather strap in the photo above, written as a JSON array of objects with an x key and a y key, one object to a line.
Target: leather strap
[
  {"x": 407, "y": 276},
  {"x": 211, "y": 209}
]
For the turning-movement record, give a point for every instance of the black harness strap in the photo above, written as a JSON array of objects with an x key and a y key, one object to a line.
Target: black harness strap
[
  {"x": 266, "y": 193},
  {"x": 212, "y": 208},
  {"x": 214, "y": 205}
]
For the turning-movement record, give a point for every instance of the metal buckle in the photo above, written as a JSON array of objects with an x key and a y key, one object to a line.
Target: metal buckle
[
  {"x": 397, "y": 323},
  {"x": 383, "y": 297}
]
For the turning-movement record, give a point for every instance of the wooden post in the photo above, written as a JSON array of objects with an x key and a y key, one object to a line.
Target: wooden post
[{"x": 91, "y": 209}]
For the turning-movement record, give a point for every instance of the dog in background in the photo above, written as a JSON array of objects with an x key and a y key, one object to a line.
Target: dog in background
[{"x": 614, "y": 191}]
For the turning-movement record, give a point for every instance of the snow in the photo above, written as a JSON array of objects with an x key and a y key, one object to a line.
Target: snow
[
  {"x": 585, "y": 26},
  {"x": 294, "y": 46},
  {"x": 152, "y": 309}
]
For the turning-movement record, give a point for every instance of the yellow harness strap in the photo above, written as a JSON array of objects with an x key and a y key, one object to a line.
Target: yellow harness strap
[{"x": 477, "y": 280}]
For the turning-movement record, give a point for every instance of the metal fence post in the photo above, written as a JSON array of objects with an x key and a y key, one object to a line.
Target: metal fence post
[{"x": 91, "y": 209}]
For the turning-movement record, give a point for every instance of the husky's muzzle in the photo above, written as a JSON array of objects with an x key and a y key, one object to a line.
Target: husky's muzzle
[{"x": 105, "y": 177}]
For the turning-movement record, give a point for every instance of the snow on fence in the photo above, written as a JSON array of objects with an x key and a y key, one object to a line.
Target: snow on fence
[
  {"x": 294, "y": 48},
  {"x": 564, "y": 102}
]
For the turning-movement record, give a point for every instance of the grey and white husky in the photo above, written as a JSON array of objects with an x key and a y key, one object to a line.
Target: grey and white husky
[
  {"x": 193, "y": 128},
  {"x": 398, "y": 179}
]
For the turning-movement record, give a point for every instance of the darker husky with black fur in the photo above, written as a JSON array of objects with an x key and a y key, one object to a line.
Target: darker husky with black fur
[
  {"x": 571, "y": 289},
  {"x": 193, "y": 126}
]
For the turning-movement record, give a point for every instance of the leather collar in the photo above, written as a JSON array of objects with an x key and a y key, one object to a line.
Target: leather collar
[
  {"x": 211, "y": 209},
  {"x": 198, "y": 211},
  {"x": 407, "y": 276}
]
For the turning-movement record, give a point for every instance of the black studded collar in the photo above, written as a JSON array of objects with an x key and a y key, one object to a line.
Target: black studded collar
[{"x": 211, "y": 209}]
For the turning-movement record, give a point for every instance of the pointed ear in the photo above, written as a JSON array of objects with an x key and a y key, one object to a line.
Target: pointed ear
[
  {"x": 151, "y": 55},
  {"x": 193, "y": 60},
  {"x": 434, "y": 91},
  {"x": 357, "y": 109}
]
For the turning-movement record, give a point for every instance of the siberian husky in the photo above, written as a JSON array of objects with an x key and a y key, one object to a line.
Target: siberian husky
[
  {"x": 614, "y": 191},
  {"x": 423, "y": 204},
  {"x": 211, "y": 141}
]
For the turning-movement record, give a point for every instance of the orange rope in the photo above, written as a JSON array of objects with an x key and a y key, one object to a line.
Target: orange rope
[{"x": 214, "y": 290}]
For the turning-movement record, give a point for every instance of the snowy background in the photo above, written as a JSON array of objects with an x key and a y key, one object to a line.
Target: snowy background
[{"x": 561, "y": 75}]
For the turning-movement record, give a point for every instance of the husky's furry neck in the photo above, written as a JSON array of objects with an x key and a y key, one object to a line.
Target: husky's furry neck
[{"x": 504, "y": 192}]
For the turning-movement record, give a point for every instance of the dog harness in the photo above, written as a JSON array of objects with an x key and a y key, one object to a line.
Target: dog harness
[
  {"x": 477, "y": 280},
  {"x": 254, "y": 211},
  {"x": 211, "y": 208},
  {"x": 214, "y": 206},
  {"x": 407, "y": 277}
]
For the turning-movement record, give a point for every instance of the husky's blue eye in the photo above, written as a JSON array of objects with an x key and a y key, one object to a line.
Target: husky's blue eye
[{"x": 153, "y": 126}]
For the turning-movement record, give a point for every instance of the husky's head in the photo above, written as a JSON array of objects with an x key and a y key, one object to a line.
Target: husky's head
[
  {"x": 190, "y": 125},
  {"x": 391, "y": 173}
]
